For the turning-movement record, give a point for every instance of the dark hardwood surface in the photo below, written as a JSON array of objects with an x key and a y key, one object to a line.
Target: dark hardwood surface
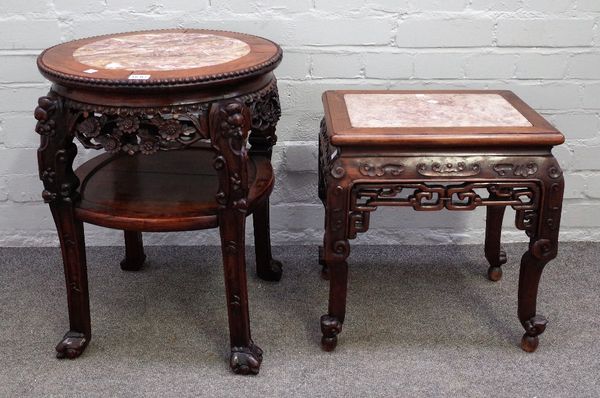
[
  {"x": 169, "y": 191},
  {"x": 541, "y": 133},
  {"x": 433, "y": 169},
  {"x": 189, "y": 148},
  {"x": 59, "y": 65}
]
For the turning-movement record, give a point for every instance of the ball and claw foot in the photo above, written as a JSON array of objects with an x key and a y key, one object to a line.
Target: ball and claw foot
[
  {"x": 495, "y": 271},
  {"x": 129, "y": 265},
  {"x": 72, "y": 345},
  {"x": 325, "y": 269},
  {"x": 330, "y": 327},
  {"x": 533, "y": 328},
  {"x": 246, "y": 360},
  {"x": 272, "y": 273}
]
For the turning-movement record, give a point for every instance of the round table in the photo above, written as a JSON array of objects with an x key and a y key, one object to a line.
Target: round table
[{"x": 174, "y": 111}]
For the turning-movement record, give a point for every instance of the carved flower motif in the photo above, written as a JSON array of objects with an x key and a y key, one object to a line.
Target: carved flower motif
[
  {"x": 109, "y": 143},
  {"x": 169, "y": 130},
  {"x": 128, "y": 125},
  {"x": 90, "y": 127},
  {"x": 149, "y": 146},
  {"x": 266, "y": 113}
]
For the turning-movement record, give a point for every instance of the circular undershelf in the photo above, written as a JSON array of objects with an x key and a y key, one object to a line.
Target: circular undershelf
[{"x": 166, "y": 191}]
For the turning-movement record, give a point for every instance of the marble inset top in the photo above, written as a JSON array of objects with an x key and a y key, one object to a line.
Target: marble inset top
[
  {"x": 432, "y": 110},
  {"x": 161, "y": 51}
]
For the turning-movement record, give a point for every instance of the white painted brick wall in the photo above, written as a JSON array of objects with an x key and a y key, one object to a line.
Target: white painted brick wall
[{"x": 547, "y": 51}]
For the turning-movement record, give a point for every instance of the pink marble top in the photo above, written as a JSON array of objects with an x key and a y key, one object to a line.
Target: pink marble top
[
  {"x": 432, "y": 110},
  {"x": 161, "y": 51}
]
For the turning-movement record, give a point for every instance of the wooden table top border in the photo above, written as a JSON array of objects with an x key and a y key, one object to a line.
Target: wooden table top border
[
  {"x": 342, "y": 132},
  {"x": 263, "y": 57}
]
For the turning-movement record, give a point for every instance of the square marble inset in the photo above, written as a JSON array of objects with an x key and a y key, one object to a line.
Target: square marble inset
[{"x": 432, "y": 110}]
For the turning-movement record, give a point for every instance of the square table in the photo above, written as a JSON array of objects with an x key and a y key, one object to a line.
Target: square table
[{"x": 434, "y": 150}]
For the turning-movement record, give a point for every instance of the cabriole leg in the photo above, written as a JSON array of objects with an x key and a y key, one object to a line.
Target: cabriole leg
[
  {"x": 542, "y": 248},
  {"x": 529, "y": 279}
]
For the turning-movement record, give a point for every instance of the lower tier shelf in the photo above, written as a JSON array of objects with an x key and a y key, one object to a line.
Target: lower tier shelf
[{"x": 166, "y": 191}]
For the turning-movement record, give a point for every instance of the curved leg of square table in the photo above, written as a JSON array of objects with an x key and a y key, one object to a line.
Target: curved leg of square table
[{"x": 543, "y": 247}]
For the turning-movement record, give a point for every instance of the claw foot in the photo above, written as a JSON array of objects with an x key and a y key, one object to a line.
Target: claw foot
[
  {"x": 133, "y": 265},
  {"x": 246, "y": 360},
  {"x": 330, "y": 327},
  {"x": 533, "y": 328},
  {"x": 72, "y": 345},
  {"x": 272, "y": 272}
]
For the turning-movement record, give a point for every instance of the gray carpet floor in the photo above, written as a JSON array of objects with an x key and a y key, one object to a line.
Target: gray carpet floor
[{"x": 421, "y": 322}]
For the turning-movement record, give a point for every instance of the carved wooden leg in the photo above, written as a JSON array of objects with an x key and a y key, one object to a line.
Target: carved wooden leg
[
  {"x": 229, "y": 123},
  {"x": 55, "y": 157},
  {"x": 333, "y": 257},
  {"x": 72, "y": 243},
  {"x": 494, "y": 253},
  {"x": 543, "y": 248},
  {"x": 246, "y": 357},
  {"x": 267, "y": 268},
  {"x": 134, "y": 251},
  {"x": 529, "y": 278},
  {"x": 331, "y": 323}
]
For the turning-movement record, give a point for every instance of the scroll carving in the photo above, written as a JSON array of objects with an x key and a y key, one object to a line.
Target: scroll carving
[
  {"x": 370, "y": 170},
  {"x": 554, "y": 172},
  {"x": 519, "y": 170},
  {"x": 451, "y": 168}
]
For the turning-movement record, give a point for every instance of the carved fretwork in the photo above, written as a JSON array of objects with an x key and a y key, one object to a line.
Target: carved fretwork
[
  {"x": 149, "y": 129},
  {"x": 266, "y": 111},
  {"x": 141, "y": 133},
  {"x": 521, "y": 196}
]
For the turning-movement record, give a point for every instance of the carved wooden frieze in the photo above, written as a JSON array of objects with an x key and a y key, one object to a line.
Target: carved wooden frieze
[{"x": 149, "y": 129}]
